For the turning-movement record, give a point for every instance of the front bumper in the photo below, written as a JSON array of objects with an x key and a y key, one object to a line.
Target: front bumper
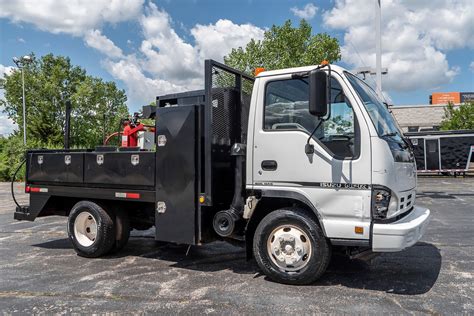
[{"x": 402, "y": 234}]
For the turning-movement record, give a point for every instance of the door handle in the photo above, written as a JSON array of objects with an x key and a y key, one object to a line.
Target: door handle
[{"x": 269, "y": 165}]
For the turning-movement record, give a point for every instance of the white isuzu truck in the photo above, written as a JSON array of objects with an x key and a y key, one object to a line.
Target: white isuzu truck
[{"x": 292, "y": 164}]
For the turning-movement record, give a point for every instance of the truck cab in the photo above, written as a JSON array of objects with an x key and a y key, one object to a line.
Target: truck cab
[
  {"x": 291, "y": 164},
  {"x": 361, "y": 178}
]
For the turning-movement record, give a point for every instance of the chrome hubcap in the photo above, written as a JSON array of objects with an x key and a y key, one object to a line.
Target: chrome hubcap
[
  {"x": 289, "y": 248},
  {"x": 85, "y": 229}
]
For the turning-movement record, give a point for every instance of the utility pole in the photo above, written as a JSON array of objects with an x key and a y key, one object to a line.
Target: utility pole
[
  {"x": 24, "y": 105},
  {"x": 378, "y": 49},
  {"x": 20, "y": 63}
]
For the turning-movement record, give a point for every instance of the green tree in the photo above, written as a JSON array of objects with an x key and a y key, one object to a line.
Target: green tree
[
  {"x": 283, "y": 47},
  {"x": 458, "y": 118},
  {"x": 11, "y": 153},
  {"x": 97, "y": 106}
]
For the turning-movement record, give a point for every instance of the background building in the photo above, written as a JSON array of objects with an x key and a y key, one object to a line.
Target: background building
[
  {"x": 415, "y": 118},
  {"x": 454, "y": 97}
]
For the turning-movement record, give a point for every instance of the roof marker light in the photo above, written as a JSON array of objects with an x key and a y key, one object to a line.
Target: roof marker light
[{"x": 258, "y": 70}]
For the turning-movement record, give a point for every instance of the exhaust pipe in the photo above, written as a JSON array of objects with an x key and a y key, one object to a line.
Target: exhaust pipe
[{"x": 226, "y": 222}]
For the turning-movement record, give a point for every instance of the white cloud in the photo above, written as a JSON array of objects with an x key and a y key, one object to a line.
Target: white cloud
[
  {"x": 73, "y": 17},
  {"x": 216, "y": 40},
  {"x": 471, "y": 66},
  {"x": 5, "y": 70},
  {"x": 95, "y": 39},
  {"x": 21, "y": 40},
  {"x": 6, "y": 125},
  {"x": 308, "y": 11},
  {"x": 140, "y": 88},
  {"x": 166, "y": 63},
  {"x": 166, "y": 53},
  {"x": 415, "y": 36},
  {"x": 447, "y": 24}
]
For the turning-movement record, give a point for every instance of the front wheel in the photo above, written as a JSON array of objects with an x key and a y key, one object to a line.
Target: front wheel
[
  {"x": 290, "y": 247},
  {"x": 91, "y": 229}
]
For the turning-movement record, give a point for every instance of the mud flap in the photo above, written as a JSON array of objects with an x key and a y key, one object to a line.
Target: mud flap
[{"x": 29, "y": 213}]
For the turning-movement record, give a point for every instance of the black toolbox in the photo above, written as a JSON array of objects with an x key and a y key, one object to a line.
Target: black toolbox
[{"x": 56, "y": 167}]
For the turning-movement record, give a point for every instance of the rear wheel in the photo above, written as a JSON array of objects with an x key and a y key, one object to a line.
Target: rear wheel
[
  {"x": 290, "y": 247},
  {"x": 90, "y": 229},
  {"x": 122, "y": 230}
]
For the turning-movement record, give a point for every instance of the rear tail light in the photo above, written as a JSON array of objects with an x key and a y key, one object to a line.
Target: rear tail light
[
  {"x": 127, "y": 195},
  {"x": 29, "y": 189}
]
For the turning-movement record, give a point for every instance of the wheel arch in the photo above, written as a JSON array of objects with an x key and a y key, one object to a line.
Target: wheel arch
[{"x": 272, "y": 200}]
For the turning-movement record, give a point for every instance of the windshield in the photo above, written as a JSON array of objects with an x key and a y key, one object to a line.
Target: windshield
[{"x": 381, "y": 117}]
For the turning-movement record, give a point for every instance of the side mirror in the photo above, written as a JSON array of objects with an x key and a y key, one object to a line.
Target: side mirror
[{"x": 318, "y": 93}]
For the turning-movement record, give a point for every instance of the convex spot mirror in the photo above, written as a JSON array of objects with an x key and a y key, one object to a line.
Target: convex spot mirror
[{"x": 318, "y": 93}]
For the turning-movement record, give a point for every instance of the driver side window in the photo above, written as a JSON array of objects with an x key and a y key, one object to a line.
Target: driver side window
[{"x": 286, "y": 108}]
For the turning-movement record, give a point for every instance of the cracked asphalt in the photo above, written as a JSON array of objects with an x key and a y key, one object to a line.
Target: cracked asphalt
[{"x": 40, "y": 272}]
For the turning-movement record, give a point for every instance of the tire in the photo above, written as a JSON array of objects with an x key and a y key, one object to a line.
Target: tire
[
  {"x": 91, "y": 229},
  {"x": 122, "y": 230},
  {"x": 290, "y": 247}
]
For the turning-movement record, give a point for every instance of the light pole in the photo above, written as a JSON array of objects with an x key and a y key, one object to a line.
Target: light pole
[
  {"x": 20, "y": 63},
  {"x": 378, "y": 49}
]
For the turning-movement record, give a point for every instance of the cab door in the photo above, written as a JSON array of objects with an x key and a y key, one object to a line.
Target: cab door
[{"x": 336, "y": 178}]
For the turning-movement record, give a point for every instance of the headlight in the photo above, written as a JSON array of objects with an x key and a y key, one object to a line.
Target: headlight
[{"x": 384, "y": 205}]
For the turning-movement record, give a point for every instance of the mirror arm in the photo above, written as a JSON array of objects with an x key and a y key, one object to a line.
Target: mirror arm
[{"x": 309, "y": 148}]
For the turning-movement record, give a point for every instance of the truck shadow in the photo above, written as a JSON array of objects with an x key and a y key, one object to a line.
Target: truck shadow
[{"x": 410, "y": 272}]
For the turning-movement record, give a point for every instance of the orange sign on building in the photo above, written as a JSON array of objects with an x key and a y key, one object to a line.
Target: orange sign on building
[{"x": 445, "y": 97}]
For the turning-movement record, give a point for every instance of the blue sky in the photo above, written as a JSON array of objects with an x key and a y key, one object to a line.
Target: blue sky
[{"x": 154, "y": 47}]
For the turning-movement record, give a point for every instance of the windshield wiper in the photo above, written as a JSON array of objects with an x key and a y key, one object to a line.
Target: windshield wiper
[
  {"x": 408, "y": 143},
  {"x": 404, "y": 140},
  {"x": 389, "y": 134}
]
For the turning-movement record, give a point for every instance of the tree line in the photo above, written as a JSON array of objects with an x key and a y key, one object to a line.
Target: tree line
[{"x": 96, "y": 108}]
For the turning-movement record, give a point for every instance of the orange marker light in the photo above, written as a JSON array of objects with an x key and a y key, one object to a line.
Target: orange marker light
[
  {"x": 258, "y": 70},
  {"x": 359, "y": 230},
  {"x": 324, "y": 62}
]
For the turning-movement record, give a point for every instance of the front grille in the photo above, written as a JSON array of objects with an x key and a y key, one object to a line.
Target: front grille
[{"x": 407, "y": 201}]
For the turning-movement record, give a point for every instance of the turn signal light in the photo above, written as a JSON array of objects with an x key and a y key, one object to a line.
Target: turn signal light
[{"x": 359, "y": 230}]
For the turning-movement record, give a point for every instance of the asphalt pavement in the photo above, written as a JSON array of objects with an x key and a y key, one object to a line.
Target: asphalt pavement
[{"x": 40, "y": 272}]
